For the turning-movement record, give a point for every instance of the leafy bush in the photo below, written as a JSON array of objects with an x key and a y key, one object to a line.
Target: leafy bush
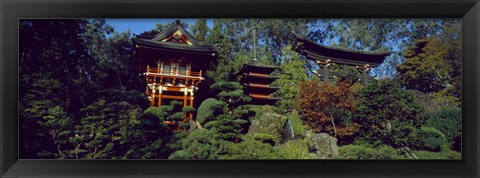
[
  {"x": 201, "y": 144},
  {"x": 327, "y": 107},
  {"x": 427, "y": 138},
  {"x": 229, "y": 116},
  {"x": 449, "y": 122},
  {"x": 249, "y": 149},
  {"x": 264, "y": 138},
  {"x": 369, "y": 152},
  {"x": 298, "y": 127},
  {"x": 180, "y": 154},
  {"x": 387, "y": 113},
  {"x": 444, "y": 153},
  {"x": 206, "y": 110},
  {"x": 295, "y": 149}
]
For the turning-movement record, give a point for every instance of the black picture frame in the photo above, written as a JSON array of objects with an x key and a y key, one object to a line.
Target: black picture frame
[{"x": 11, "y": 11}]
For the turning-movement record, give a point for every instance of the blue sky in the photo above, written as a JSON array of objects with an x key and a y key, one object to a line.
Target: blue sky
[{"x": 138, "y": 26}]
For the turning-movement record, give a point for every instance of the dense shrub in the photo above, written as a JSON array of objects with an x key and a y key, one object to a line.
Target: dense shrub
[
  {"x": 298, "y": 127},
  {"x": 444, "y": 153},
  {"x": 180, "y": 154},
  {"x": 449, "y": 122},
  {"x": 369, "y": 152},
  {"x": 295, "y": 149},
  {"x": 249, "y": 149},
  {"x": 206, "y": 110},
  {"x": 230, "y": 117},
  {"x": 264, "y": 138},
  {"x": 268, "y": 122},
  {"x": 387, "y": 113},
  {"x": 427, "y": 138},
  {"x": 200, "y": 144}
]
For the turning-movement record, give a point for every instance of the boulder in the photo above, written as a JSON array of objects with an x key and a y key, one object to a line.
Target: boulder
[{"x": 323, "y": 145}]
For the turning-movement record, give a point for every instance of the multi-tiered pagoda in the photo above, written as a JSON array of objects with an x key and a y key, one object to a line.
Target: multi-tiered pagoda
[
  {"x": 172, "y": 62},
  {"x": 256, "y": 80}
]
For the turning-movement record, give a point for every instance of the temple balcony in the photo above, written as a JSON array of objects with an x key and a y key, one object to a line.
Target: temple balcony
[{"x": 173, "y": 73}]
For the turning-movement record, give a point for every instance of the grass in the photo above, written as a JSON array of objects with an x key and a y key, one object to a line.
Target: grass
[{"x": 444, "y": 153}]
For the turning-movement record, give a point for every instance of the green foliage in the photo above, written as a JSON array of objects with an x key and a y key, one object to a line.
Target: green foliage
[
  {"x": 426, "y": 67},
  {"x": 264, "y": 138},
  {"x": 449, "y": 122},
  {"x": 369, "y": 152},
  {"x": 298, "y": 127},
  {"x": 200, "y": 30},
  {"x": 427, "y": 138},
  {"x": 228, "y": 114},
  {"x": 444, "y": 153},
  {"x": 388, "y": 114},
  {"x": 180, "y": 154},
  {"x": 249, "y": 149},
  {"x": 206, "y": 109},
  {"x": 200, "y": 144},
  {"x": 267, "y": 122},
  {"x": 295, "y": 149},
  {"x": 293, "y": 72}
]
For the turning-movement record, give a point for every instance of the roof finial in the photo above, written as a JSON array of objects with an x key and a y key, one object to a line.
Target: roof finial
[
  {"x": 177, "y": 22},
  {"x": 254, "y": 46}
]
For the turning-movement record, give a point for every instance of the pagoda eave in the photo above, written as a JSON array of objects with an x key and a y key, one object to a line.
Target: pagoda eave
[
  {"x": 263, "y": 100},
  {"x": 254, "y": 68},
  {"x": 140, "y": 43},
  {"x": 246, "y": 78},
  {"x": 318, "y": 52}
]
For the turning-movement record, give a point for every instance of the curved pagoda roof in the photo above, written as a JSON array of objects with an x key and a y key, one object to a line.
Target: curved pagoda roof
[
  {"x": 258, "y": 100},
  {"x": 174, "y": 38},
  {"x": 318, "y": 52},
  {"x": 257, "y": 79},
  {"x": 255, "y": 67}
]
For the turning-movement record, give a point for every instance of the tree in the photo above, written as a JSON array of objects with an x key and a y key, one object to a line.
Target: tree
[
  {"x": 200, "y": 144},
  {"x": 426, "y": 67},
  {"x": 227, "y": 114},
  {"x": 328, "y": 108},
  {"x": 54, "y": 72},
  {"x": 249, "y": 149},
  {"x": 292, "y": 73},
  {"x": 200, "y": 30},
  {"x": 387, "y": 113}
]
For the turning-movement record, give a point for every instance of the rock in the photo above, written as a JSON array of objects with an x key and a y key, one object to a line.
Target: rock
[
  {"x": 267, "y": 123},
  {"x": 288, "y": 133},
  {"x": 323, "y": 145}
]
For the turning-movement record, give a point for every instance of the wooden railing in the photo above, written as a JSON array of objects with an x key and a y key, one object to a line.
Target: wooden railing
[
  {"x": 259, "y": 85},
  {"x": 258, "y": 74},
  {"x": 259, "y": 95},
  {"x": 174, "y": 72}
]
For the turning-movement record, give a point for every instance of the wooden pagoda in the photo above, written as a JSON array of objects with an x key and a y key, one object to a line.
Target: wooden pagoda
[
  {"x": 256, "y": 80},
  {"x": 172, "y": 62},
  {"x": 327, "y": 57}
]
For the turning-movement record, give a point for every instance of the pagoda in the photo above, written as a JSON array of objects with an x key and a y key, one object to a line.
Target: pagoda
[
  {"x": 327, "y": 57},
  {"x": 256, "y": 80},
  {"x": 172, "y": 62}
]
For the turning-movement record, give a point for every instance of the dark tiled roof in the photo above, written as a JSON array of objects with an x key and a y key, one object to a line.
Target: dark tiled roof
[
  {"x": 315, "y": 51},
  {"x": 256, "y": 68},
  {"x": 155, "y": 41},
  {"x": 257, "y": 79}
]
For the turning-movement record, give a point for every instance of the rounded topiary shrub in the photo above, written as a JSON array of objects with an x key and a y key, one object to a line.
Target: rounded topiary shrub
[
  {"x": 206, "y": 110},
  {"x": 180, "y": 154},
  {"x": 427, "y": 138}
]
